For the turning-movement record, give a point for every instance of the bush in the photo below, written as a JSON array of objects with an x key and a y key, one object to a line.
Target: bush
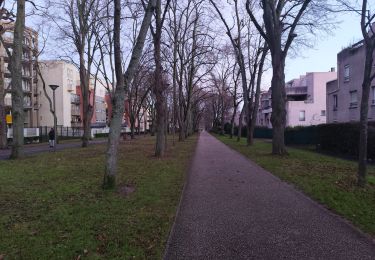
[
  {"x": 339, "y": 138},
  {"x": 343, "y": 139},
  {"x": 98, "y": 135},
  {"x": 301, "y": 135}
]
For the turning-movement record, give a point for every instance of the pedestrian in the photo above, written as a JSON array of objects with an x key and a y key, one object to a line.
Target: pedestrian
[{"x": 51, "y": 137}]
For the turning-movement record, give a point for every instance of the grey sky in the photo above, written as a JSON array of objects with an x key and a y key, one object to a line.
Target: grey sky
[{"x": 323, "y": 56}]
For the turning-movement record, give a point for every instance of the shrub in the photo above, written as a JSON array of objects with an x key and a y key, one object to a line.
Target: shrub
[
  {"x": 339, "y": 138},
  {"x": 98, "y": 135},
  {"x": 301, "y": 135}
]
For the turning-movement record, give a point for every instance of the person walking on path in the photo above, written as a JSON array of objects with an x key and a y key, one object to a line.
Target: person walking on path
[
  {"x": 51, "y": 138},
  {"x": 233, "y": 209}
]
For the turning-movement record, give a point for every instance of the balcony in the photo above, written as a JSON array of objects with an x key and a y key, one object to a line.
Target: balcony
[
  {"x": 296, "y": 91},
  {"x": 26, "y": 90},
  {"x": 27, "y": 105},
  {"x": 353, "y": 105},
  {"x": 75, "y": 99},
  {"x": 76, "y": 124},
  {"x": 75, "y": 112},
  {"x": 8, "y": 101}
]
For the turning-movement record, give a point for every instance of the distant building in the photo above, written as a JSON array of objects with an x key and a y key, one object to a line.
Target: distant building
[
  {"x": 69, "y": 107},
  {"x": 344, "y": 94},
  {"x": 144, "y": 120},
  {"x": 306, "y": 100},
  {"x": 29, "y": 76}
]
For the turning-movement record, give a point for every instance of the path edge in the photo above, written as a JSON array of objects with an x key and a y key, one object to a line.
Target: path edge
[
  {"x": 178, "y": 209},
  {"x": 306, "y": 196}
]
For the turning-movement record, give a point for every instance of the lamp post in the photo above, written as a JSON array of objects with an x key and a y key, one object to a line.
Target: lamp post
[{"x": 54, "y": 87}]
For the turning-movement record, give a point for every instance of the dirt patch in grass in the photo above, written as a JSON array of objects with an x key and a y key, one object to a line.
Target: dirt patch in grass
[{"x": 126, "y": 190}]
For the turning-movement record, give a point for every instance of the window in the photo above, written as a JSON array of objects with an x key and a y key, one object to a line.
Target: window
[
  {"x": 373, "y": 95},
  {"x": 346, "y": 73},
  {"x": 302, "y": 115},
  {"x": 335, "y": 102},
  {"x": 323, "y": 113},
  {"x": 353, "y": 98}
]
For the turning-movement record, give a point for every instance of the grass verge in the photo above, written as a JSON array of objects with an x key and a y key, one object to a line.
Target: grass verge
[
  {"x": 329, "y": 180},
  {"x": 52, "y": 206}
]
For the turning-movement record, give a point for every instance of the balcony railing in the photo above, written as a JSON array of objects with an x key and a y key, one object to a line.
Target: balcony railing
[
  {"x": 353, "y": 104},
  {"x": 8, "y": 102},
  {"x": 27, "y": 105},
  {"x": 75, "y": 112},
  {"x": 76, "y": 124},
  {"x": 75, "y": 99},
  {"x": 296, "y": 90}
]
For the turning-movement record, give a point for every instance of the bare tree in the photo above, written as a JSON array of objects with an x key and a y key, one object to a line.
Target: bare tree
[
  {"x": 191, "y": 59},
  {"x": 122, "y": 81},
  {"x": 368, "y": 32},
  {"x": 138, "y": 91},
  {"x": 236, "y": 98},
  {"x": 17, "y": 92},
  {"x": 5, "y": 17},
  {"x": 77, "y": 22},
  {"x": 282, "y": 20},
  {"x": 159, "y": 86},
  {"x": 250, "y": 53}
]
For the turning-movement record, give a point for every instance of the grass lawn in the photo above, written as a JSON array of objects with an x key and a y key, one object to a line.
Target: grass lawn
[
  {"x": 52, "y": 206},
  {"x": 329, "y": 180}
]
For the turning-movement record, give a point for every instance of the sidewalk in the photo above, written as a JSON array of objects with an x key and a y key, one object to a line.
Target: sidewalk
[
  {"x": 233, "y": 209},
  {"x": 31, "y": 149}
]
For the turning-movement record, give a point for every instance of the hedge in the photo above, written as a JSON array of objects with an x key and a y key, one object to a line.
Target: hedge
[
  {"x": 339, "y": 138},
  {"x": 301, "y": 135},
  {"x": 343, "y": 138}
]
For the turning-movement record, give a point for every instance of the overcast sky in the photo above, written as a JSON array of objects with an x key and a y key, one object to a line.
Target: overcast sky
[{"x": 324, "y": 55}]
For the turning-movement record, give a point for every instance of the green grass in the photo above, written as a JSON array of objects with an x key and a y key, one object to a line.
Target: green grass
[
  {"x": 52, "y": 206},
  {"x": 329, "y": 180}
]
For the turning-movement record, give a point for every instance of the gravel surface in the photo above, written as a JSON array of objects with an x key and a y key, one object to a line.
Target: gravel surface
[{"x": 233, "y": 209}]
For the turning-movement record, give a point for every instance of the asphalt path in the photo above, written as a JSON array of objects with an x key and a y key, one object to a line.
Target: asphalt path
[
  {"x": 44, "y": 147},
  {"x": 233, "y": 209}
]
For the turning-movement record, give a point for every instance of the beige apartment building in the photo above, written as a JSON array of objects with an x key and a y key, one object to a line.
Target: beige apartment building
[
  {"x": 305, "y": 100},
  {"x": 29, "y": 75},
  {"x": 68, "y": 96}
]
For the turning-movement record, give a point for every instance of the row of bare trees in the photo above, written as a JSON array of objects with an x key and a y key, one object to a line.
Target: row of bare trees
[
  {"x": 280, "y": 27},
  {"x": 188, "y": 68}
]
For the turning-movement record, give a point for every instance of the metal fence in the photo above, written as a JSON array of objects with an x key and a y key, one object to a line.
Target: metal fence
[
  {"x": 40, "y": 134},
  {"x": 61, "y": 131}
]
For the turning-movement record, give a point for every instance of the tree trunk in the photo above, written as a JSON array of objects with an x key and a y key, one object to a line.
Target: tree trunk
[
  {"x": 132, "y": 126},
  {"x": 232, "y": 123},
  {"x": 257, "y": 94},
  {"x": 239, "y": 133},
  {"x": 17, "y": 91},
  {"x": 87, "y": 110},
  {"x": 3, "y": 124},
  {"x": 278, "y": 117},
  {"x": 363, "y": 130},
  {"x": 159, "y": 87},
  {"x": 109, "y": 180}
]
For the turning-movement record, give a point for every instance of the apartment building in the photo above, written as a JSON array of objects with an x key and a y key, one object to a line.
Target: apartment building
[
  {"x": 29, "y": 75},
  {"x": 306, "y": 100},
  {"x": 344, "y": 94},
  {"x": 69, "y": 106}
]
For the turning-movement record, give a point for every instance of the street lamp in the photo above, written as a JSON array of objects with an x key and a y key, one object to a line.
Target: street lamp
[{"x": 54, "y": 87}]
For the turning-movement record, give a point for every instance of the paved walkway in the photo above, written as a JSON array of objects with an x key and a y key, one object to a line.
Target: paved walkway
[
  {"x": 43, "y": 147},
  {"x": 233, "y": 209}
]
